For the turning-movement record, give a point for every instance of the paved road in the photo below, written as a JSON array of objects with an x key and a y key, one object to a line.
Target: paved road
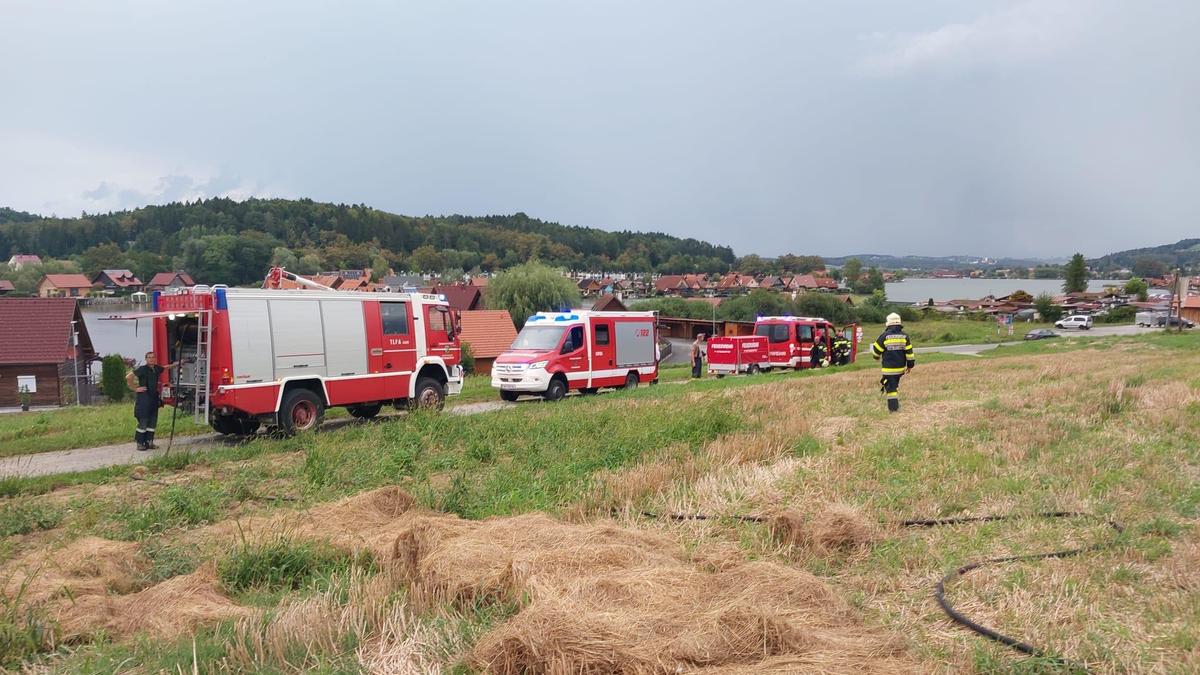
[
  {"x": 1098, "y": 331},
  {"x": 87, "y": 459}
]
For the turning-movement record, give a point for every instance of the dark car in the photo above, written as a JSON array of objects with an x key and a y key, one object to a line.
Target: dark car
[
  {"x": 1040, "y": 334},
  {"x": 1174, "y": 322}
]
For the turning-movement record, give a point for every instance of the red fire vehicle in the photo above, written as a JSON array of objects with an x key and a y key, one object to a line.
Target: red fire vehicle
[
  {"x": 281, "y": 357},
  {"x": 792, "y": 341},
  {"x": 733, "y": 354},
  {"x": 557, "y": 352}
]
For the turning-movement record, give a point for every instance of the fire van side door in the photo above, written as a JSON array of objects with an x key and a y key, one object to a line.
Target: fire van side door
[
  {"x": 573, "y": 356},
  {"x": 850, "y": 332},
  {"x": 804, "y": 342},
  {"x": 399, "y": 348},
  {"x": 603, "y": 346}
]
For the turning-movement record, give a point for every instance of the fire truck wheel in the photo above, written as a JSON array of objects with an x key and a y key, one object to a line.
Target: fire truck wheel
[
  {"x": 248, "y": 425},
  {"x": 506, "y": 395},
  {"x": 429, "y": 396},
  {"x": 631, "y": 381},
  {"x": 556, "y": 390},
  {"x": 302, "y": 410},
  {"x": 754, "y": 369},
  {"x": 364, "y": 412},
  {"x": 225, "y": 424}
]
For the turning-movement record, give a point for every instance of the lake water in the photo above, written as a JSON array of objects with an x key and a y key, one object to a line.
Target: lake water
[
  {"x": 130, "y": 339},
  {"x": 920, "y": 290}
]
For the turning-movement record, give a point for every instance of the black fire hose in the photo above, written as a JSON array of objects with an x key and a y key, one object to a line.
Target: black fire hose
[
  {"x": 939, "y": 592},
  {"x": 175, "y": 392}
]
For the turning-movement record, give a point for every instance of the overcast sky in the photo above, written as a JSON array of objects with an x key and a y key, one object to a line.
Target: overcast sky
[{"x": 928, "y": 127}]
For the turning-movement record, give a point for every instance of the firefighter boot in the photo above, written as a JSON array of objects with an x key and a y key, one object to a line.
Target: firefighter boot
[{"x": 893, "y": 399}]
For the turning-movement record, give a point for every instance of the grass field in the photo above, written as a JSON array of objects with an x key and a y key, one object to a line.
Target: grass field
[
  {"x": 950, "y": 332},
  {"x": 1103, "y": 425}
]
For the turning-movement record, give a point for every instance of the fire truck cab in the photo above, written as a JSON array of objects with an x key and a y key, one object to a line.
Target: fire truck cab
[
  {"x": 806, "y": 342},
  {"x": 557, "y": 352},
  {"x": 251, "y": 357}
]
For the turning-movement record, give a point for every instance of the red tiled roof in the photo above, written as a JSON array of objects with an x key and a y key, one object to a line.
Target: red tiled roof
[
  {"x": 462, "y": 298},
  {"x": 490, "y": 332},
  {"x": 668, "y": 282},
  {"x": 68, "y": 280},
  {"x": 6, "y": 285},
  {"x": 122, "y": 278},
  {"x": 165, "y": 279},
  {"x": 608, "y": 303},
  {"x": 38, "y": 330},
  {"x": 1191, "y": 302},
  {"x": 20, "y": 259}
]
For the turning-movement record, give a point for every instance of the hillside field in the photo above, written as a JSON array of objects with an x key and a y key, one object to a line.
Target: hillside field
[{"x": 536, "y": 538}]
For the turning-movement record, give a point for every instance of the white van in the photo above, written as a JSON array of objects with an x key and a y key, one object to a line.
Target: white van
[{"x": 1080, "y": 321}]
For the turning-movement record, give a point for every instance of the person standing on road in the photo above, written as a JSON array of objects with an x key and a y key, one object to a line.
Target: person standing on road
[
  {"x": 894, "y": 351},
  {"x": 143, "y": 380},
  {"x": 698, "y": 356}
]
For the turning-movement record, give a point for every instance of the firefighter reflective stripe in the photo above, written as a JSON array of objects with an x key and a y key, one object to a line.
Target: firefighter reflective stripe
[
  {"x": 893, "y": 394},
  {"x": 893, "y": 371},
  {"x": 876, "y": 348},
  {"x": 896, "y": 340}
]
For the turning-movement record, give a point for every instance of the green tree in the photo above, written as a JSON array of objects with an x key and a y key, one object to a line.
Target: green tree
[
  {"x": 529, "y": 288},
  {"x": 1046, "y": 307},
  {"x": 467, "y": 359},
  {"x": 1139, "y": 287},
  {"x": 1149, "y": 268},
  {"x": 851, "y": 271},
  {"x": 102, "y": 257},
  {"x": 1076, "y": 273},
  {"x": 112, "y": 377},
  {"x": 1047, "y": 272},
  {"x": 282, "y": 256},
  {"x": 752, "y": 264},
  {"x": 1020, "y": 296},
  {"x": 756, "y": 303},
  {"x": 874, "y": 281},
  {"x": 427, "y": 259}
]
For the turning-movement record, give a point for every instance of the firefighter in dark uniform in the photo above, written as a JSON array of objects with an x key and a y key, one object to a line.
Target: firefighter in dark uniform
[
  {"x": 895, "y": 352},
  {"x": 143, "y": 380},
  {"x": 841, "y": 350}
]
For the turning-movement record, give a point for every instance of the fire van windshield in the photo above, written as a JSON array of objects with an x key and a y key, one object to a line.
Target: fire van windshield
[{"x": 538, "y": 338}]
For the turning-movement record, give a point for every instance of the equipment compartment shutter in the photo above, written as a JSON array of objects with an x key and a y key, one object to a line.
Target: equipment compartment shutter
[
  {"x": 345, "y": 337},
  {"x": 635, "y": 343},
  {"x": 297, "y": 332},
  {"x": 250, "y": 340}
]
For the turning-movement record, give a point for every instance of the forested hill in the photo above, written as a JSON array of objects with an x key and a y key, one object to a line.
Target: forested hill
[
  {"x": 234, "y": 242},
  {"x": 1153, "y": 261}
]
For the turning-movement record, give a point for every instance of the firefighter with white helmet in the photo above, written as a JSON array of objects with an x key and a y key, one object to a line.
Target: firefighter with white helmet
[{"x": 894, "y": 351}]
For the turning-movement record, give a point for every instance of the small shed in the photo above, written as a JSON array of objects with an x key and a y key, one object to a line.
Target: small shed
[
  {"x": 490, "y": 332},
  {"x": 36, "y": 350}
]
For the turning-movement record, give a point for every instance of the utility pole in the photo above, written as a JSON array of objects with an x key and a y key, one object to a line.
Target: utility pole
[{"x": 75, "y": 359}]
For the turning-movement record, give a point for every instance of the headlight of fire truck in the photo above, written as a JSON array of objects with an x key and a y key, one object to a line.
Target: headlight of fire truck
[{"x": 538, "y": 365}]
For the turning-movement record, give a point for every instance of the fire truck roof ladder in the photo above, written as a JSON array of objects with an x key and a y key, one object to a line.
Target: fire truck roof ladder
[{"x": 203, "y": 370}]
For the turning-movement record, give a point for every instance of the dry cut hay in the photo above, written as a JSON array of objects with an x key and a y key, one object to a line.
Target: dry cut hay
[
  {"x": 366, "y": 520},
  {"x": 174, "y": 607},
  {"x": 837, "y": 527},
  {"x": 604, "y": 599},
  {"x": 86, "y": 566}
]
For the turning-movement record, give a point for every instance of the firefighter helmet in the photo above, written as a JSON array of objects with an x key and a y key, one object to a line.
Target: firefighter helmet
[{"x": 893, "y": 319}]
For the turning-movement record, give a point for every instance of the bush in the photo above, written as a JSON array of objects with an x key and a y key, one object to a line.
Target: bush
[
  {"x": 468, "y": 359},
  {"x": 1122, "y": 314},
  {"x": 112, "y": 377}
]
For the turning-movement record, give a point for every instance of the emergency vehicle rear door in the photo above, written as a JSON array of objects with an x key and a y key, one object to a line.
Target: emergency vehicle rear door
[{"x": 603, "y": 349}]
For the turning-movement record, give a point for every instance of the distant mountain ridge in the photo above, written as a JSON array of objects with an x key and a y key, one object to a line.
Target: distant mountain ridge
[
  {"x": 1184, "y": 254},
  {"x": 920, "y": 262}
]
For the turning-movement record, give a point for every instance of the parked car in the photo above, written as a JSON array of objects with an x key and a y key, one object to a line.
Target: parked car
[
  {"x": 1040, "y": 334},
  {"x": 1174, "y": 322},
  {"x": 1148, "y": 319},
  {"x": 1080, "y": 321}
]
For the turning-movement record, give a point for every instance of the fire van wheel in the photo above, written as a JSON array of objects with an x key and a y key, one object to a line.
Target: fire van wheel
[
  {"x": 430, "y": 395},
  {"x": 631, "y": 381},
  {"x": 364, "y": 412},
  {"x": 302, "y": 410},
  {"x": 508, "y": 395},
  {"x": 556, "y": 391}
]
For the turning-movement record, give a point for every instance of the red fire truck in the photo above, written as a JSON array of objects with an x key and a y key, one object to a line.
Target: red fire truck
[
  {"x": 281, "y": 357},
  {"x": 792, "y": 341},
  {"x": 557, "y": 352},
  {"x": 734, "y": 354}
]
